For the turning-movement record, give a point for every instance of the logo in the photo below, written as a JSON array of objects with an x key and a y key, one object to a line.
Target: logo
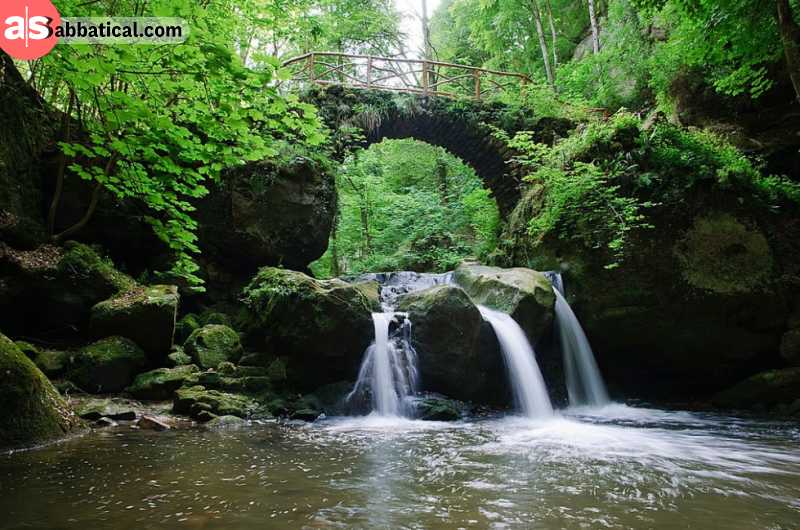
[{"x": 27, "y": 28}]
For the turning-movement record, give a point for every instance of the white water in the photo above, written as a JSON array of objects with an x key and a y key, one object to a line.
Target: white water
[
  {"x": 389, "y": 368},
  {"x": 585, "y": 385},
  {"x": 389, "y": 373},
  {"x": 527, "y": 383}
]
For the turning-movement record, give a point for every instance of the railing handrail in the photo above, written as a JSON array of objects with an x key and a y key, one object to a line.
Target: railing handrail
[{"x": 429, "y": 85}]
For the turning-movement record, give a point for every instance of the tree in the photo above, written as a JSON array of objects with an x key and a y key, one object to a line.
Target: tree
[
  {"x": 158, "y": 124},
  {"x": 537, "y": 18},
  {"x": 595, "y": 28}
]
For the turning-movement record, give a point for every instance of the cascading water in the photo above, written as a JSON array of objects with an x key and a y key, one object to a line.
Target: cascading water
[
  {"x": 585, "y": 385},
  {"x": 527, "y": 383},
  {"x": 389, "y": 373}
]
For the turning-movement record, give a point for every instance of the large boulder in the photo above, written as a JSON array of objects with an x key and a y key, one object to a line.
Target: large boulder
[
  {"x": 49, "y": 291},
  {"x": 696, "y": 305},
  {"x": 27, "y": 126},
  {"x": 33, "y": 411},
  {"x": 321, "y": 326},
  {"x": 144, "y": 314},
  {"x": 457, "y": 351},
  {"x": 268, "y": 213},
  {"x": 161, "y": 383},
  {"x": 765, "y": 390},
  {"x": 108, "y": 365},
  {"x": 525, "y": 294},
  {"x": 213, "y": 344}
]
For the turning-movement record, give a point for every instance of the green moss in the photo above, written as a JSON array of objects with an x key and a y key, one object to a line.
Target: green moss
[
  {"x": 185, "y": 326},
  {"x": 720, "y": 254},
  {"x": 178, "y": 357},
  {"x": 196, "y": 399},
  {"x": 33, "y": 410},
  {"x": 108, "y": 365},
  {"x": 213, "y": 344},
  {"x": 81, "y": 260},
  {"x": 161, "y": 383}
]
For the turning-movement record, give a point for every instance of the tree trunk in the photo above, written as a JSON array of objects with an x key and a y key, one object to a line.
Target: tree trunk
[
  {"x": 537, "y": 17},
  {"x": 552, "y": 32},
  {"x": 595, "y": 29},
  {"x": 790, "y": 36}
]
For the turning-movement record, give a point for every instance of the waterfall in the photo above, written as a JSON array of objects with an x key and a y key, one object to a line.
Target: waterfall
[
  {"x": 389, "y": 368},
  {"x": 389, "y": 376},
  {"x": 527, "y": 383},
  {"x": 584, "y": 382}
]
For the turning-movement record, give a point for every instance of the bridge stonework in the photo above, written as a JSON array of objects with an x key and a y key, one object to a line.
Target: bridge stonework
[{"x": 464, "y": 127}]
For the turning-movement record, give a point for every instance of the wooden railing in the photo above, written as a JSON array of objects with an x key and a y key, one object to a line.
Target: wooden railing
[{"x": 429, "y": 78}]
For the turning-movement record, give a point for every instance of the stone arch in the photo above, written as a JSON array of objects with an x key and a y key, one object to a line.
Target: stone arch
[{"x": 462, "y": 127}]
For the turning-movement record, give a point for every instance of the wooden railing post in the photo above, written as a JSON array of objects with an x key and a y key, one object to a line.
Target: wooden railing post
[
  {"x": 477, "y": 75},
  {"x": 425, "y": 77},
  {"x": 311, "y": 66},
  {"x": 369, "y": 72}
]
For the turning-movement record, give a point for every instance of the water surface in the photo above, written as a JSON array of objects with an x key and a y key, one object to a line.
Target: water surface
[{"x": 615, "y": 467}]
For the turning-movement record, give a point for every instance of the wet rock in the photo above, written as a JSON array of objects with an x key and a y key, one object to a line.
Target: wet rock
[
  {"x": 105, "y": 422},
  {"x": 33, "y": 411},
  {"x": 268, "y": 214},
  {"x": 439, "y": 409},
  {"x": 306, "y": 414},
  {"x": 193, "y": 400},
  {"x": 226, "y": 422},
  {"x": 114, "y": 408},
  {"x": 213, "y": 344},
  {"x": 108, "y": 365},
  {"x": 321, "y": 326},
  {"x": 151, "y": 423},
  {"x": 446, "y": 335},
  {"x": 144, "y": 314},
  {"x": 525, "y": 294},
  {"x": 161, "y": 383},
  {"x": 763, "y": 390}
]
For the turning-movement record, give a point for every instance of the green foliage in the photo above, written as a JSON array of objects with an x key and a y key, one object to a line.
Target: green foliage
[
  {"x": 408, "y": 205},
  {"x": 159, "y": 122},
  {"x": 582, "y": 196}
]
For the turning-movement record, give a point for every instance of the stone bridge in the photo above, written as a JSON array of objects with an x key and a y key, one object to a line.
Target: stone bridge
[{"x": 464, "y": 127}]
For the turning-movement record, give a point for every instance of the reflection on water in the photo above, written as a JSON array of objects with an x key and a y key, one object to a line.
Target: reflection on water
[{"x": 612, "y": 467}]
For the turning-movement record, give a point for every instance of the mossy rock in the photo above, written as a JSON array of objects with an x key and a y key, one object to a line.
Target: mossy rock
[
  {"x": 322, "y": 327},
  {"x": 213, "y": 344},
  {"x": 178, "y": 357},
  {"x": 719, "y": 253},
  {"x": 439, "y": 409},
  {"x": 108, "y": 365},
  {"x": 34, "y": 412},
  {"x": 525, "y": 294},
  {"x": 94, "y": 408},
  {"x": 52, "y": 289},
  {"x": 762, "y": 391},
  {"x": 144, "y": 314},
  {"x": 185, "y": 326},
  {"x": 214, "y": 317},
  {"x": 193, "y": 401},
  {"x": 53, "y": 363},
  {"x": 161, "y": 383}
]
